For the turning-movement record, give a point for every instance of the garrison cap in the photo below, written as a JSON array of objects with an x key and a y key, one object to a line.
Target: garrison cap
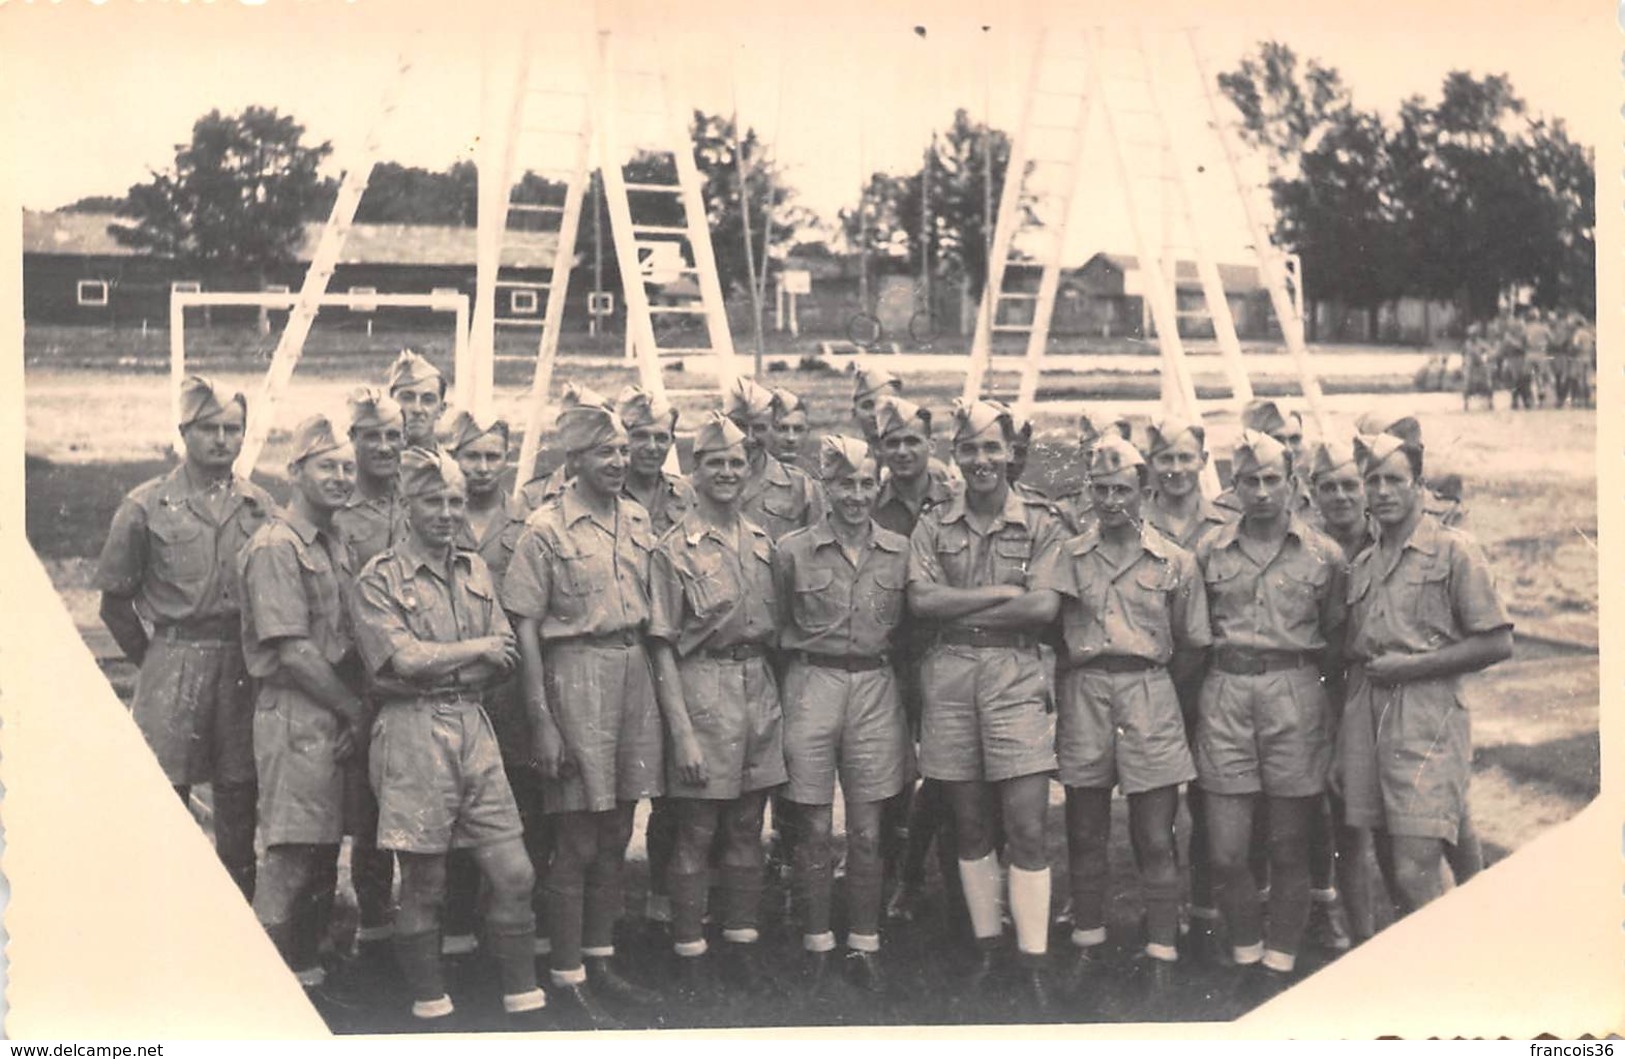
[
  {"x": 717, "y": 432},
  {"x": 1370, "y": 450},
  {"x": 200, "y": 399},
  {"x": 410, "y": 369},
  {"x": 466, "y": 427},
  {"x": 839, "y": 455},
  {"x": 1328, "y": 456},
  {"x": 785, "y": 402},
  {"x": 872, "y": 380},
  {"x": 637, "y": 407},
  {"x": 748, "y": 400},
  {"x": 585, "y": 426},
  {"x": 426, "y": 470},
  {"x": 1165, "y": 431},
  {"x": 897, "y": 413},
  {"x": 1254, "y": 450},
  {"x": 1089, "y": 426},
  {"x": 314, "y": 436},
  {"x": 1263, "y": 417},
  {"x": 372, "y": 407},
  {"x": 975, "y": 417},
  {"x": 1405, "y": 427},
  {"x": 1113, "y": 454},
  {"x": 582, "y": 395}
]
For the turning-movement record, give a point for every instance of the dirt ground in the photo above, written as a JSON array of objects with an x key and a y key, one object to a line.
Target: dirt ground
[{"x": 1530, "y": 485}]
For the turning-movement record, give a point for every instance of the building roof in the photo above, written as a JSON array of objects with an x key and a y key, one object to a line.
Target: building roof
[
  {"x": 1237, "y": 278},
  {"x": 86, "y": 234}
]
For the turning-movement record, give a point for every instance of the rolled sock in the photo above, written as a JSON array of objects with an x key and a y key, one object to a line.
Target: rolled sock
[
  {"x": 1029, "y": 907},
  {"x": 1323, "y": 897},
  {"x": 863, "y": 942},
  {"x": 824, "y": 942},
  {"x": 514, "y": 1003},
  {"x": 980, "y": 879},
  {"x": 437, "y": 1008},
  {"x": 1247, "y": 954},
  {"x": 1279, "y": 961},
  {"x": 690, "y": 948},
  {"x": 1166, "y": 953},
  {"x": 1088, "y": 939}
]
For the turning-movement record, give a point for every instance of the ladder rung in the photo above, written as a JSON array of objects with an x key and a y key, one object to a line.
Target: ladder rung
[
  {"x": 531, "y": 207},
  {"x": 1018, "y": 295},
  {"x": 1013, "y": 329},
  {"x": 659, "y": 229},
  {"x": 673, "y": 189},
  {"x": 691, "y": 310},
  {"x": 681, "y": 351},
  {"x": 514, "y": 284},
  {"x": 537, "y": 322}
]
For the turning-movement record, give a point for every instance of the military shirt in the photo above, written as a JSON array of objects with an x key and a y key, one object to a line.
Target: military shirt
[
  {"x": 175, "y": 557},
  {"x": 897, "y": 513},
  {"x": 403, "y": 597},
  {"x": 1209, "y": 517},
  {"x": 1296, "y": 602},
  {"x": 1438, "y": 591},
  {"x": 501, "y": 537},
  {"x": 829, "y": 606},
  {"x": 369, "y": 525},
  {"x": 705, "y": 591},
  {"x": 538, "y": 491},
  {"x": 671, "y": 500},
  {"x": 1303, "y": 501},
  {"x": 1076, "y": 510},
  {"x": 295, "y": 578},
  {"x": 946, "y": 549},
  {"x": 1148, "y": 608},
  {"x": 581, "y": 575},
  {"x": 781, "y": 498}
]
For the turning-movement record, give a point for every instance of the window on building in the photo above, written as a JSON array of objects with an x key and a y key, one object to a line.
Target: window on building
[
  {"x": 524, "y": 302},
  {"x": 186, "y": 286},
  {"x": 92, "y": 292},
  {"x": 277, "y": 288}
]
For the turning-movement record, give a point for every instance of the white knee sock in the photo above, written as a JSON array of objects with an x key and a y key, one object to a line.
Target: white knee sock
[
  {"x": 980, "y": 879},
  {"x": 1029, "y": 907}
]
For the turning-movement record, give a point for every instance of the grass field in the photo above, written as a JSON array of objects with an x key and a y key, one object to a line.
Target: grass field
[{"x": 1530, "y": 481}]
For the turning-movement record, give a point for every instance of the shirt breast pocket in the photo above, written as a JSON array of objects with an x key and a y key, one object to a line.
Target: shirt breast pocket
[
  {"x": 782, "y": 514},
  {"x": 1011, "y": 556},
  {"x": 815, "y": 604},
  {"x": 327, "y": 620},
  {"x": 1300, "y": 588},
  {"x": 581, "y": 572},
  {"x": 182, "y": 548},
  {"x": 1429, "y": 586},
  {"x": 709, "y": 587},
  {"x": 1149, "y": 598},
  {"x": 887, "y": 599},
  {"x": 953, "y": 553}
]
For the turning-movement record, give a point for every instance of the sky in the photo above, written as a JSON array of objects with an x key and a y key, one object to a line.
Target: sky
[{"x": 99, "y": 94}]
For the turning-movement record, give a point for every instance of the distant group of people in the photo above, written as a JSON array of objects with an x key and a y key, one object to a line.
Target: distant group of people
[
  {"x": 1535, "y": 354},
  {"x": 478, "y": 688}
]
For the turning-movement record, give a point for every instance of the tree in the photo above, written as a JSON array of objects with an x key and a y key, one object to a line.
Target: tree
[
  {"x": 98, "y": 204},
  {"x": 237, "y": 196},
  {"x": 398, "y": 194}
]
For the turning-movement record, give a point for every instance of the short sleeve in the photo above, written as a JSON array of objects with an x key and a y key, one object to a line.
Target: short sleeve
[
  {"x": 529, "y": 580},
  {"x": 923, "y": 565},
  {"x": 665, "y": 597},
  {"x": 1472, "y": 591},
  {"x": 1334, "y": 607},
  {"x": 274, "y": 590},
  {"x": 784, "y": 585},
  {"x": 1187, "y": 610},
  {"x": 1047, "y": 551},
  {"x": 380, "y": 628},
  {"x": 123, "y": 561},
  {"x": 1056, "y": 570},
  {"x": 817, "y": 503}
]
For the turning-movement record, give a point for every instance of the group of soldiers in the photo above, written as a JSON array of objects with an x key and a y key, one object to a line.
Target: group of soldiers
[
  {"x": 1533, "y": 353},
  {"x": 479, "y": 687}
]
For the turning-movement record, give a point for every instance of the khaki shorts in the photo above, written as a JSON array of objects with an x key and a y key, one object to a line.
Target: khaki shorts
[
  {"x": 602, "y": 699},
  {"x": 850, "y": 723},
  {"x": 1121, "y": 729},
  {"x": 1405, "y": 755},
  {"x": 301, "y": 783},
  {"x": 1267, "y": 732},
  {"x": 986, "y": 715},
  {"x": 734, "y": 709},
  {"x": 438, "y": 775},
  {"x": 194, "y": 705}
]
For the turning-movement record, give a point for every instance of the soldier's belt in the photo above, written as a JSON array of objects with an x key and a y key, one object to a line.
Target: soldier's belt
[
  {"x": 204, "y": 630},
  {"x": 623, "y": 638},
  {"x": 846, "y": 663},
  {"x": 739, "y": 652},
  {"x": 466, "y": 696},
  {"x": 1117, "y": 664},
  {"x": 969, "y": 637},
  {"x": 1246, "y": 663}
]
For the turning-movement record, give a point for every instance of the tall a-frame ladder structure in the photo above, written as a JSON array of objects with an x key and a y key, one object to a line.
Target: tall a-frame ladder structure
[
  {"x": 1075, "y": 74},
  {"x": 554, "y": 118}
]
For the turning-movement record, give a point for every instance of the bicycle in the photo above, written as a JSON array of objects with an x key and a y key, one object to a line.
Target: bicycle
[{"x": 865, "y": 331}]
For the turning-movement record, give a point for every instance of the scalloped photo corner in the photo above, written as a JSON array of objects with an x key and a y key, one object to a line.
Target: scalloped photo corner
[{"x": 1442, "y": 254}]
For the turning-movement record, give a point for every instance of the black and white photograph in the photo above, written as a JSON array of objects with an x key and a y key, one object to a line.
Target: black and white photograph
[{"x": 607, "y": 516}]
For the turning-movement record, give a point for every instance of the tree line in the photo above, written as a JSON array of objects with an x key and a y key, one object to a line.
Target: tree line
[{"x": 1459, "y": 199}]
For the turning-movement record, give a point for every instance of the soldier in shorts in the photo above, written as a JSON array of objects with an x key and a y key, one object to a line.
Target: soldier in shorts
[
  {"x": 1265, "y": 417},
  {"x": 777, "y": 497},
  {"x": 1276, "y": 597},
  {"x": 309, "y": 716},
  {"x": 840, "y": 590},
  {"x": 375, "y": 519},
  {"x": 869, "y": 385},
  {"x": 495, "y": 520},
  {"x": 539, "y": 489},
  {"x": 651, "y": 428},
  {"x": 711, "y": 627},
  {"x": 789, "y": 431},
  {"x": 1134, "y": 618},
  {"x": 419, "y": 388},
  {"x": 1422, "y": 611},
  {"x": 171, "y": 559},
  {"x": 987, "y": 730},
  {"x": 434, "y": 641},
  {"x": 1175, "y": 507},
  {"x": 1077, "y": 506},
  {"x": 579, "y": 586}
]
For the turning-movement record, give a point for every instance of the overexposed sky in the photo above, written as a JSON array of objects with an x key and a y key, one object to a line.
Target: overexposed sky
[{"x": 98, "y": 94}]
